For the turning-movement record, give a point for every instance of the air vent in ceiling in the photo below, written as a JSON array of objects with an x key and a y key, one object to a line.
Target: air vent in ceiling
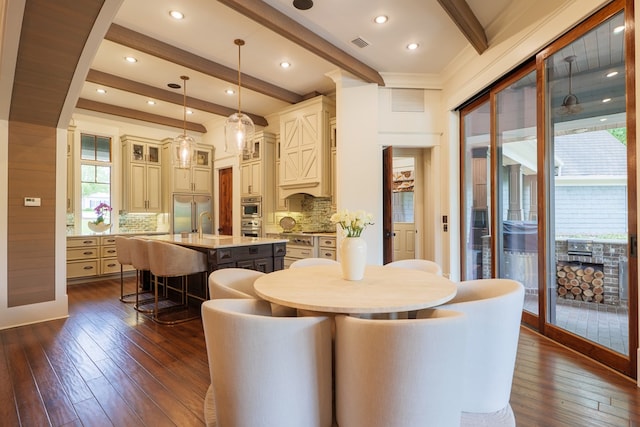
[{"x": 360, "y": 42}]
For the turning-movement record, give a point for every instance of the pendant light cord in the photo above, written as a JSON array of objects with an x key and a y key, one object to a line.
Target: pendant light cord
[
  {"x": 184, "y": 105},
  {"x": 239, "y": 43}
]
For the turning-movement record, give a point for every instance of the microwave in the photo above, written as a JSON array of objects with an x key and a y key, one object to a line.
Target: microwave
[{"x": 251, "y": 207}]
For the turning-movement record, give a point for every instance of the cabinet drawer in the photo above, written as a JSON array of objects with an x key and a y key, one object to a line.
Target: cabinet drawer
[
  {"x": 108, "y": 251},
  {"x": 82, "y": 269},
  {"x": 327, "y": 253},
  {"x": 85, "y": 241},
  {"x": 111, "y": 265},
  {"x": 108, "y": 240},
  {"x": 327, "y": 242},
  {"x": 82, "y": 253},
  {"x": 296, "y": 252}
]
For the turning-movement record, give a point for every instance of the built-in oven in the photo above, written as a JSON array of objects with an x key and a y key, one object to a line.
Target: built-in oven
[
  {"x": 251, "y": 227},
  {"x": 251, "y": 207}
]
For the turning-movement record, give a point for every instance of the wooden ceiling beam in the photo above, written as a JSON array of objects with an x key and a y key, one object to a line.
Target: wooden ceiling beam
[
  {"x": 126, "y": 37},
  {"x": 110, "y": 80},
  {"x": 114, "y": 110},
  {"x": 280, "y": 23},
  {"x": 464, "y": 18}
]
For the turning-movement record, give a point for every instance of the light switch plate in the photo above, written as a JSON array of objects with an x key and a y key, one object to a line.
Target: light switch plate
[{"x": 32, "y": 201}]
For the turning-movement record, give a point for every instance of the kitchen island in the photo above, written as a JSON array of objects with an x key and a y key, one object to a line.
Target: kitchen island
[{"x": 255, "y": 253}]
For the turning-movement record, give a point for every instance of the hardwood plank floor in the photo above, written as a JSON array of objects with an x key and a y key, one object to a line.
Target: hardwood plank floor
[{"x": 109, "y": 365}]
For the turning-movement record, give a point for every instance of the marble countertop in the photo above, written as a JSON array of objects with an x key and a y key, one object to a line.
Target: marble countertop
[
  {"x": 121, "y": 233},
  {"x": 212, "y": 241}
]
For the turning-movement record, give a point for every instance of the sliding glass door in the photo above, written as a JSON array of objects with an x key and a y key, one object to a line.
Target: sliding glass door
[
  {"x": 549, "y": 188},
  {"x": 588, "y": 192}
]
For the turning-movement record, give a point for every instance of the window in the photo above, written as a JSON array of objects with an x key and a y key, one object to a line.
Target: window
[{"x": 95, "y": 177}]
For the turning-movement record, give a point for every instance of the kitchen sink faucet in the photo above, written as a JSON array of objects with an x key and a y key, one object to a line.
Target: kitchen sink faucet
[{"x": 205, "y": 213}]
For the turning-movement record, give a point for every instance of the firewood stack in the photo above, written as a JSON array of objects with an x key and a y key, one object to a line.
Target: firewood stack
[{"x": 581, "y": 283}]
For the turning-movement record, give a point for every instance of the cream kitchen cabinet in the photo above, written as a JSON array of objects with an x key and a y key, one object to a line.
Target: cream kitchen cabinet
[
  {"x": 142, "y": 175},
  {"x": 256, "y": 170},
  {"x": 251, "y": 179},
  {"x": 197, "y": 179},
  {"x": 91, "y": 256},
  {"x": 333, "y": 143},
  {"x": 304, "y": 148}
]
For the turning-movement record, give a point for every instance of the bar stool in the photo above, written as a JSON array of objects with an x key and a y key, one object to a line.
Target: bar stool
[
  {"x": 168, "y": 260},
  {"x": 123, "y": 253},
  {"x": 139, "y": 252}
]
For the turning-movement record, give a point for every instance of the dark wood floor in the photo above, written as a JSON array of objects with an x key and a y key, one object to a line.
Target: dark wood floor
[{"x": 108, "y": 365}]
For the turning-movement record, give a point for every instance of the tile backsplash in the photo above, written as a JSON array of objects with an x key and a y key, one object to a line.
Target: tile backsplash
[{"x": 314, "y": 215}]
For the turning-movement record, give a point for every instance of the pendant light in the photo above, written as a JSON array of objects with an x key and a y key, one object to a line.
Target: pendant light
[
  {"x": 239, "y": 128},
  {"x": 183, "y": 144},
  {"x": 570, "y": 103}
]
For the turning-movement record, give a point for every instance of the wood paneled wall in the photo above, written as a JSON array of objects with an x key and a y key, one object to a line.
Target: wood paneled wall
[
  {"x": 52, "y": 39},
  {"x": 31, "y": 230}
]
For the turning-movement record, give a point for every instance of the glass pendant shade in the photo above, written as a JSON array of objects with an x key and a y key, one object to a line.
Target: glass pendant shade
[
  {"x": 238, "y": 131},
  {"x": 183, "y": 144},
  {"x": 239, "y": 128},
  {"x": 183, "y": 149}
]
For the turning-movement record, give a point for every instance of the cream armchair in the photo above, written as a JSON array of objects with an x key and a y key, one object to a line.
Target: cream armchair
[
  {"x": 266, "y": 371},
  {"x": 494, "y": 309}
]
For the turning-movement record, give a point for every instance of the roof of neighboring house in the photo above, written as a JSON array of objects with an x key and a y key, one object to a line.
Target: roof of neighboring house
[{"x": 591, "y": 153}]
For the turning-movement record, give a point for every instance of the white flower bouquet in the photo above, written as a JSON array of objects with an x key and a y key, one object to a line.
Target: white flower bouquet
[{"x": 353, "y": 223}]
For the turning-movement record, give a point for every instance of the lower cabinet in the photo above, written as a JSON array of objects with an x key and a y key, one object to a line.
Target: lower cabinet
[{"x": 92, "y": 256}]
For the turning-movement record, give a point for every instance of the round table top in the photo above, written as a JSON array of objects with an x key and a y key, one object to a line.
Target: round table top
[{"x": 382, "y": 290}]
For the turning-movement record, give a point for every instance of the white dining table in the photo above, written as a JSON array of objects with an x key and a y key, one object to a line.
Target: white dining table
[{"x": 382, "y": 290}]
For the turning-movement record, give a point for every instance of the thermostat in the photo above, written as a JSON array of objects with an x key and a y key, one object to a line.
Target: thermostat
[{"x": 32, "y": 201}]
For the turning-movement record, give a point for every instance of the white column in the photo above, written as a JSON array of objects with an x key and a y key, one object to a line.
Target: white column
[{"x": 359, "y": 155}]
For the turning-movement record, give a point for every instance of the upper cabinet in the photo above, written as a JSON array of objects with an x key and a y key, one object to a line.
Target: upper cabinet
[
  {"x": 197, "y": 179},
  {"x": 256, "y": 174},
  {"x": 305, "y": 149},
  {"x": 142, "y": 174}
]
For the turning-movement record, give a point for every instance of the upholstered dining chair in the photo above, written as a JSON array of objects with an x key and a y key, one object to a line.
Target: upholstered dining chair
[
  {"x": 123, "y": 255},
  {"x": 417, "y": 264},
  {"x": 304, "y": 262},
  {"x": 169, "y": 260},
  {"x": 266, "y": 371},
  {"x": 400, "y": 372},
  {"x": 233, "y": 283},
  {"x": 494, "y": 309},
  {"x": 238, "y": 283}
]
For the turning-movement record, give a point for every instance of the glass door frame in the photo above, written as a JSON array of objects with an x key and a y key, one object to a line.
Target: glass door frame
[{"x": 622, "y": 363}]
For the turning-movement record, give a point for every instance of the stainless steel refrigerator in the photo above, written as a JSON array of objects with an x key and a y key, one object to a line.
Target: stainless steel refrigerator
[{"x": 187, "y": 209}]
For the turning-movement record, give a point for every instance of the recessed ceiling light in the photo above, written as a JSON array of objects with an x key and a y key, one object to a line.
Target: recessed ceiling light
[
  {"x": 130, "y": 59},
  {"x": 618, "y": 29},
  {"x": 102, "y": 91},
  {"x": 603, "y": 120},
  {"x": 175, "y": 14},
  {"x": 189, "y": 112},
  {"x": 412, "y": 46},
  {"x": 229, "y": 91},
  {"x": 151, "y": 102},
  {"x": 285, "y": 64},
  {"x": 606, "y": 100},
  {"x": 381, "y": 19},
  {"x": 611, "y": 74}
]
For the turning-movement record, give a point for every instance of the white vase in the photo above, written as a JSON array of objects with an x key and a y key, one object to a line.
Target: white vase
[
  {"x": 98, "y": 228},
  {"x": 353, "y": 257}
]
